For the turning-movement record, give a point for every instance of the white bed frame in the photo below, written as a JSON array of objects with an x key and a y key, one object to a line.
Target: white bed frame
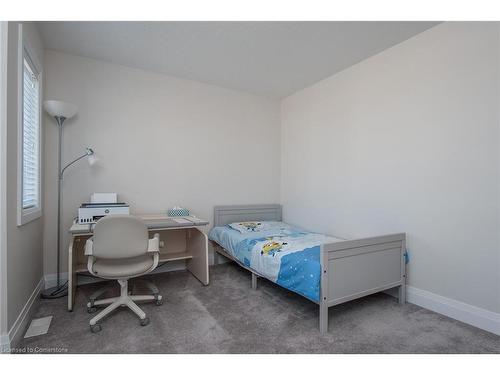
[{"x": 350, "y": 269}]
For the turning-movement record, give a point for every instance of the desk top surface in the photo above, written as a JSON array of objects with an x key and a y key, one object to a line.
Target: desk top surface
[{"x": 152, "y": 221}]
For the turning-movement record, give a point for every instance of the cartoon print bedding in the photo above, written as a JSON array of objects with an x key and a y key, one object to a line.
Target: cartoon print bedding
[{"x": 286, "y": 255}]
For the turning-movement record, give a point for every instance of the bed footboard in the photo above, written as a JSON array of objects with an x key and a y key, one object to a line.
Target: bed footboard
[{"x": 356, "y": 268}]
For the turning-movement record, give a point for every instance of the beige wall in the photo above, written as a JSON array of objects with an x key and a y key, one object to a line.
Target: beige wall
[
  {"x": 24, "y": 243},
  {"x": 407, "y": 140},
  {"x": 161, "y": 141}
]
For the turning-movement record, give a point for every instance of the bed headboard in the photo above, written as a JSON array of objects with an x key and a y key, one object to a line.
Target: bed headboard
[{"x": 224, "y": 215}]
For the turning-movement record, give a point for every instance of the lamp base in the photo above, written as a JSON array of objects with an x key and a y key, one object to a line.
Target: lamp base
[{"x": 55, "y": 292}]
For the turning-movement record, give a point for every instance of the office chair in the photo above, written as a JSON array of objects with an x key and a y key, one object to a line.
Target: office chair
[{"x": 120, "y": 250}]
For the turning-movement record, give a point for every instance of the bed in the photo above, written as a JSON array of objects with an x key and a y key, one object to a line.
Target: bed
[{"x": 324, "y": 269}]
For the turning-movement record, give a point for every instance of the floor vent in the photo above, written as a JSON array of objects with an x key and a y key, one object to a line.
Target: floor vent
[{"x": 38, "y": 327}]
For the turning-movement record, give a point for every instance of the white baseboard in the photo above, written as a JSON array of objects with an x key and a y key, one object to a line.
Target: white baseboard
[
  {"x": 475, "y": 316},
  {"x": 4, "y": 344},
  {"x": 50, "y": 280},
  {"x": 17, "y": 330},
  {"x": 170, "y": 266}
]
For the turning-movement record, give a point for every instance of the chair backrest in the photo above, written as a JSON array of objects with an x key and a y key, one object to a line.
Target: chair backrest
[{"x": 120, "y": 236}]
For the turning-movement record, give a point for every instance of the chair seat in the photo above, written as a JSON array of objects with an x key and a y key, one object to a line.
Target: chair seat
[{"x": 126, "y": 267}]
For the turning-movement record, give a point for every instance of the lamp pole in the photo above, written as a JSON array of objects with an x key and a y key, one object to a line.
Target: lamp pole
[
  {"x": 60, "y": 122},
  {"x": 61, "y": 290}
]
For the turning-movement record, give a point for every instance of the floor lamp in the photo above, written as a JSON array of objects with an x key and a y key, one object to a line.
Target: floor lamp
[{"x": 62, "y": 111}]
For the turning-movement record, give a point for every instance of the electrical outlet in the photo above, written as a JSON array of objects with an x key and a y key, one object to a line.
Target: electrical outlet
[{"x": 162, "y": 244}]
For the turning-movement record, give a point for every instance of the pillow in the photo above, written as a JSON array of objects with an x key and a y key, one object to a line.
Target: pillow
[
  {"x": 247, "y": 226},
  {"x": 257, "y": 226}
]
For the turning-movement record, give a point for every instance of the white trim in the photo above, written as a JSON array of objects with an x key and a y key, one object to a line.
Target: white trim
[
  {"x": 475, "y": 316},
  {"x": 50, "y": 280},
  {"x": 4, "y": 344},
  {"x": 17, "y": 330},
  {"x": 24, "y": 216}
]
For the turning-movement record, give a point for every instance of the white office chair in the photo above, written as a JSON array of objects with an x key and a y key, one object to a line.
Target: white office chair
[{"x": 119, "y": 250}]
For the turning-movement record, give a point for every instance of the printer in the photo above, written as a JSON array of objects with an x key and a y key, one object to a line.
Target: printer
[{"x": 101, "y": 204}]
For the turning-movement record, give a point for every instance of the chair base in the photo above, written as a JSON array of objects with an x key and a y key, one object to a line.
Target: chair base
[{"x": 125, "y": 299}]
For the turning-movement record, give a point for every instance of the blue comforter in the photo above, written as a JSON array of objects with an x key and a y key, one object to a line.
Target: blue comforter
[{"x": 286, "y": 255}]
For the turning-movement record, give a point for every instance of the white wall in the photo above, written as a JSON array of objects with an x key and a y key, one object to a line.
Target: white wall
[
  {"x": 161, "y": 141},
  {"x": 24, "y": 243},
  {"x": 407, "y": 140}
]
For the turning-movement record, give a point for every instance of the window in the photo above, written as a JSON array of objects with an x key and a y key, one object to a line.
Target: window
[
  {"x": 29, "y": 181},
  {"x": 31, "y": 136}
]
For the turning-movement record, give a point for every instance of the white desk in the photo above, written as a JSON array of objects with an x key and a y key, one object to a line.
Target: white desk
[{"x": 182, "y": 241}]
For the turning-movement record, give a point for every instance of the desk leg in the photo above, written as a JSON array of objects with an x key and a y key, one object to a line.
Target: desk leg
[
  {"x": 72, "y": 278},
  {"x": 197, "y": 244}
]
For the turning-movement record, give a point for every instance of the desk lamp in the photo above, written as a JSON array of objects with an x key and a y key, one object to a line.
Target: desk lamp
[{"x": 62, "y": 111}]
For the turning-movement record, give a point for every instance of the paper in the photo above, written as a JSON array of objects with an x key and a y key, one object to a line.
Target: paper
[{"x": 181, "y": 221}]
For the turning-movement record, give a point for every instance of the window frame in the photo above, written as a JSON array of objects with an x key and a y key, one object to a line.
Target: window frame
[{"x": 25, "y": 51}]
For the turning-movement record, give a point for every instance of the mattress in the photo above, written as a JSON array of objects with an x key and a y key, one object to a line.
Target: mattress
[{"x": 284, "y": 254}]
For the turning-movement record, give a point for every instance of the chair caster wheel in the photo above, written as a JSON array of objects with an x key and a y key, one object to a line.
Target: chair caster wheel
[
  {"x": 144, "y": 322},
  {"x": 95, "y": 328},
  {"x": 91, "y": 310},
  {"x": 159, "y": 301}
]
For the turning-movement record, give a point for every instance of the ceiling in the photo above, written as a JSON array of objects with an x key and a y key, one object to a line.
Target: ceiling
[{"x": 267, "y": 58}]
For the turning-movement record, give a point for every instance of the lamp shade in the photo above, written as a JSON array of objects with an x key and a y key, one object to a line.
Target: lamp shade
[
  {"x": 92, "y": 159},
  {"x": 57, "y": 108}
]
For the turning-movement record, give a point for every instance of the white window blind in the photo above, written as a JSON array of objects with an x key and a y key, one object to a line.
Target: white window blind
[{"x": 31, "y": 136}]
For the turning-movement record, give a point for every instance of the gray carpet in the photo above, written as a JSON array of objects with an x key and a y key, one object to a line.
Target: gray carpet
[{"x": 229, "y": 317}]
